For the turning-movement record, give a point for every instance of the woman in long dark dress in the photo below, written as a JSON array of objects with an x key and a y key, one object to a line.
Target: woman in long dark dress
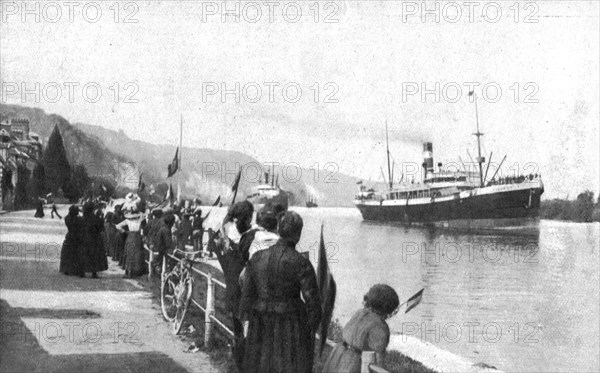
[
  {"x": 71, "y": 258},
  {"x": 282, "y": 325},
  {"x": 366, "y": 331},
  {"x": 119, "y": 237},
  {"x": 39, "y": 211},
  {"x": 134, "y": 250},
  {"x": 94, "y": 258},
  {"x": 108, "y": 235}
]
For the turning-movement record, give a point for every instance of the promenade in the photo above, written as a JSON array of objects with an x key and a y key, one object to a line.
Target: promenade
[{"x": 56, "y": 323}]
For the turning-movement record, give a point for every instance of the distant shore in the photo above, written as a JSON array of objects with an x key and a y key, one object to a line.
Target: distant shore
[{"x": 581, "y": 210}]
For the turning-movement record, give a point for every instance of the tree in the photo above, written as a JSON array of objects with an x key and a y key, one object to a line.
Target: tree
[
  {"x": 584, "y": 206},
  {"x": 37, "y": 184},
  {"x": 77, "y": 184},
  {"x": 102, "y": 187},
  {"x": 57, "y": 169},
  {"x": 22, "y": 200}
]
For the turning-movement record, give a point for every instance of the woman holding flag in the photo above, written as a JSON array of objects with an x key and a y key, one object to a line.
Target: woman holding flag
[{"x": 366, "y": 331}]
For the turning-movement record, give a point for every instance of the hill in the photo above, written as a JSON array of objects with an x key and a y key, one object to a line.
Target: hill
[{"x": 206, "y": 173}]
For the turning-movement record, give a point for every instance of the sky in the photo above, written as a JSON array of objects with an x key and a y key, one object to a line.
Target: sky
[{"x": 330, "y": 76}]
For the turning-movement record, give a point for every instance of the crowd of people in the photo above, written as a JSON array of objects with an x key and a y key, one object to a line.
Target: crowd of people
[
  {"x": 272, "y": 294},
  {"x": 119, "y": 231}
]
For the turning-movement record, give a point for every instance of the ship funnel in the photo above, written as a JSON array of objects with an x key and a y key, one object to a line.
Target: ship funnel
[{"x": 427, "y": 158}]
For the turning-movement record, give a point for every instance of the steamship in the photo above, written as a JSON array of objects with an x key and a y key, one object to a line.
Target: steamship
[
  {"x": 461, "y": 199},
  {"x": 269, "y": 192}
]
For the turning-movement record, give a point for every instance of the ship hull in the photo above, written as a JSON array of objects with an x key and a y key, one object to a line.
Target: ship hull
[
  {"x": 282, "y": 198},
  {"x": 475, "y": 209}
]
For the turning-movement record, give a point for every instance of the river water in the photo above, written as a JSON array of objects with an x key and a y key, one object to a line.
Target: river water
[{"x": 519, "y": 302}]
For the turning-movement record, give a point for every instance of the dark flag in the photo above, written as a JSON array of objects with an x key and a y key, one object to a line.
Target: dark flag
[
  {"x": 141, "y": 185},
  {"x": 413, "y": 301},
  {"x": 328, "y": 290},
  {"x": 172, "y": 168},
  {"x": 235, "y": 185}
]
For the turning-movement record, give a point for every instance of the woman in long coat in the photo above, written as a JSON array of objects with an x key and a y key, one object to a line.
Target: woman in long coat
[
  {"x": 134, "y": 250},
  {"x": 94, "y": 254},
  {"x": 282, "y": 325},
  {"x": 71, "y": 258}
]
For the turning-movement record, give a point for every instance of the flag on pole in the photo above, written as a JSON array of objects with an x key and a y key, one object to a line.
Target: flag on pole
[
  {"x": 235, "y": 185},
  {"x": 141, "y": 185},
  {"x": 327, "y": 288},
  {"x": 172, "y": 168},
  {"x": 414, "y": 301}
]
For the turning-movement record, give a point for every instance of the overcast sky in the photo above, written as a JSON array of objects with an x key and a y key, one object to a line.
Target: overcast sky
[{"x": 364, "y": 66}]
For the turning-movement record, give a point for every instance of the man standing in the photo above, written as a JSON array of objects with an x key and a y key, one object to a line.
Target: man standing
[
  {"x": 163, "y": 242},
  {"x": 54, "y": 211}
]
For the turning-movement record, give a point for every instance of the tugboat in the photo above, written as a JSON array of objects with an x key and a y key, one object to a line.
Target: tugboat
[
  {"x": 311, "y": 203},
  {"x": 311, "y": 199},
  {"x": 458, "y": 199},
  {"x": 271, "y": 192}
]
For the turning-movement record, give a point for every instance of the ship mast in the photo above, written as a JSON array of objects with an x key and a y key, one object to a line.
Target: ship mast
[
  {"x": 480, "y": 159},
  {"x": 387, "y": 145}
]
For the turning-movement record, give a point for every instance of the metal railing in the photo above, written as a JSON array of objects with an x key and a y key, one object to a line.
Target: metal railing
[
  {"x": 368, "y": 357},
  {"x": 209, "y": 309}
]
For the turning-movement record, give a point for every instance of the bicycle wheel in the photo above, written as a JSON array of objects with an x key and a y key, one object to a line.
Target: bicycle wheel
[
  {"x": 184, "y": 294},
  {"x": 168, "y": 295}
]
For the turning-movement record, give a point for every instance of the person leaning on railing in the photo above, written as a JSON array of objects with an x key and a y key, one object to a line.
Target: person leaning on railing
[{"x": 367, "y": 330}]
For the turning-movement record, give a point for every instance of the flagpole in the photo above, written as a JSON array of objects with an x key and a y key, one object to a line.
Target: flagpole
[
  {"x": 180, "y": 141},
  {"x": 180, "y": 159}
]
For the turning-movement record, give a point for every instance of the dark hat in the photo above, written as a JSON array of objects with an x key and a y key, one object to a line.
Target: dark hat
[{"x": 73, "y": 209}]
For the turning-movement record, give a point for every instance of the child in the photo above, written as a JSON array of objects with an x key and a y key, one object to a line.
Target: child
[{"x": 366, "y": 331}]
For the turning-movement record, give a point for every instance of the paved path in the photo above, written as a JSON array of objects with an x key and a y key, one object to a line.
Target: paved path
[{"x": 56, "y": 323}]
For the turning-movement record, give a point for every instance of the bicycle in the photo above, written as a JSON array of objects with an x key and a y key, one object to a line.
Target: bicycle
[{"x": 176, "y": 288}]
